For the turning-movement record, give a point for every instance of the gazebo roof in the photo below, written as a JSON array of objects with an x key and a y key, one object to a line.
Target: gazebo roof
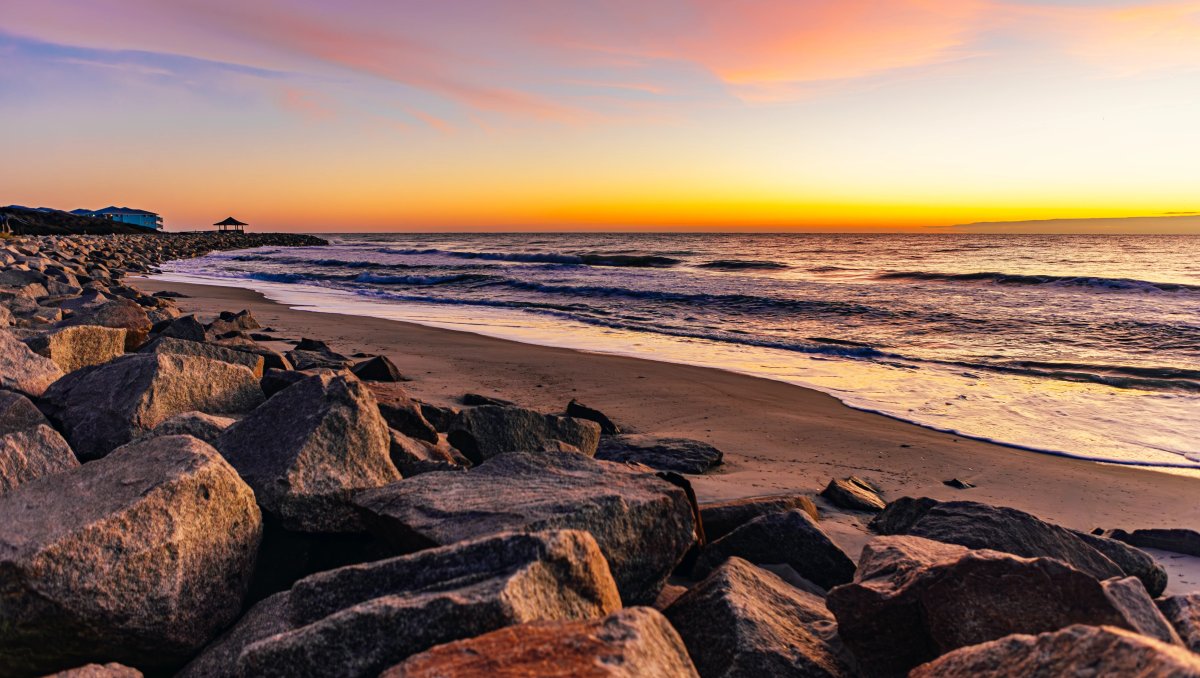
[{"x": 230, "y": 221}]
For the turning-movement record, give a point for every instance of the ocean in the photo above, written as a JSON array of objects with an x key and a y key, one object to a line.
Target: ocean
[{"x": 1087, "y": 346}]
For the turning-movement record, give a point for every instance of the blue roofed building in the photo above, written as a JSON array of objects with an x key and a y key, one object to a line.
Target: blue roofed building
[{"x": 126, "y": 215}]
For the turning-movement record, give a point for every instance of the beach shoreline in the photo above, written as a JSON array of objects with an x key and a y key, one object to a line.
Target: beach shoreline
[{"x": 777, "y": 437}]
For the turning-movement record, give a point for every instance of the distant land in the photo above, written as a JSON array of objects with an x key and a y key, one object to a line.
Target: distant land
[{"x": 1169, "y": 225}]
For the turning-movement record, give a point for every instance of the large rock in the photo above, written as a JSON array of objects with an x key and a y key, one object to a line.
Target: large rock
[
  {"x": 32, "y": 453},
  {"x": 379, "y": 368},
  {"x": 901, "y": 514},
  {"x": 1095, "y": 652},
  {"x": 99, "y": 408},
  {"x": 744, "y": 621},
  {"x": 110, "y": 670},
  {"x": 22, "y": 370},
  {"x": 401, "y": 412},
  {"x": 140, "y": 557},
  {"x": 721, "y": 518},
  {"x": 219, "y": 659},
  {"x": 309, "y": 448},
  {"x": 250, "y": 361},
  {"x": 1183, "y": 613},
  {"x": 853, "y": 493},
  {"x": 1176, "y": 540},
  {"x": 206, "y": 427},
  {"x": 913, "y": 599},
  {"x": 1133, "y": 562},
  {"x": 580, "y": 411},
  {"x": 481, "y": 433},
  {"x": 681, "y": 455},
  {"x": 413, "y": 457},
  {"x": 980, "y": 526},
  {"x": 636, "y": 642},
  {"x": 119, "y": 314},
  {"x": 643, "y": 524},
  {"x": 790, "y": 538},
  {"x": 18, "y": 413},
  {"x": 186, "y": 327},
  {"x": 73, "y": 348},
  {"x": 359, "y": 620},
  {"x": 228, "y": 321}
]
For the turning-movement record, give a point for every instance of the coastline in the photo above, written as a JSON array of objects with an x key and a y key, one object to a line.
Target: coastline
[{"x": 777, "y": 437}]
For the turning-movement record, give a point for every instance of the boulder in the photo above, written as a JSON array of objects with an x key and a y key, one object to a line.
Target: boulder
[
  {"x": 413, "y": 457},
  {"x": 309, "y": 448},
  {"x": 644, "y": 525},
  {"x": 477, "y": 400},
  {"x": 1132, "y": 561},
  {"x": 325, "y": 359},
  {"x": 1177, "y": 540},
  {"x": 1078, "y": 650},
  {"x": 22, "y": 370},
  {"x": 680, "y": 455},
  {"x": 18, "y": 413},
  {"x": 791, "y": 538},
  {"x": 32, "y": 453},
  {"x": 73, "y": 348},
  {"x": 440, "y": 417},
  {"x": 119, "y": 314},
  {"x": 206, "y": 427},
  {"x": 1183, "y": 613},
  {"x": 721, "y": 518},
  {"x": 379, "y": 368},
  {"x": 853, "y": 493},
  {"x": 980, "y": 526},
  {"x": 481, "y": 433},
  {"x": 580, "y": 411},
  {"x": 275, "y": 380},
  {"x": 745, "y": 621},
  {"x": 227, "y": 321},
  {"x": 219, "y": 659},
  {"x": 901, "y": 514},
  {"x": 402, "y": 412},
  {"x": 111, "y": 670},
  {"x": 914, "y": 599},
  {"x": 198, "y": 349},
  {"x": 185, "y": 327},
  {"x": 102, "y": 407},
  {"x": 636, "y": 642},
  {"x": 359, "y": 620},
  {"x": 140, "y": 557}
]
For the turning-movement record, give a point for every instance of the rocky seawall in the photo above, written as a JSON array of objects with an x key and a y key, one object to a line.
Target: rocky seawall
[{"x": 198, "y": 496}]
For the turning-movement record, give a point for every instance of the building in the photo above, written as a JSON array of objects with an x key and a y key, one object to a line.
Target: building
[
  {"x": 126, "y": 215},
  {"x": 231, "y": 225}
]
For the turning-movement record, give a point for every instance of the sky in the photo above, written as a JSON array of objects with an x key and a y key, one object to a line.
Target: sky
[{"x": 508, "y": 115}]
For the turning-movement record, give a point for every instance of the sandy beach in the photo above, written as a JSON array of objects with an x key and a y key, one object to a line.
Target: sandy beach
[{"x": 777, "y": 437}]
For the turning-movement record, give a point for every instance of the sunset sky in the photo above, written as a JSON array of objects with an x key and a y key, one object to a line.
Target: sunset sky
[{"x": 600, "y": 114}]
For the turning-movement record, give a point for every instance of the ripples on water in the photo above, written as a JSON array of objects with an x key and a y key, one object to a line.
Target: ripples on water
[{"x": 1080, "y": 344}]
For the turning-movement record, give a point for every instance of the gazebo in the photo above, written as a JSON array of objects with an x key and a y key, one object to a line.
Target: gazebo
[{"x": 231, "y": 224}]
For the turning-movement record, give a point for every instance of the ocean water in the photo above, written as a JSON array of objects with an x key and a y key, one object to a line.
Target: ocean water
[{"x": 1081, "y": 345}]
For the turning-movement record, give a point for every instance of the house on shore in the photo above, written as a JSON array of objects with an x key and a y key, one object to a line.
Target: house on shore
[{"x": 126, "y": 215}]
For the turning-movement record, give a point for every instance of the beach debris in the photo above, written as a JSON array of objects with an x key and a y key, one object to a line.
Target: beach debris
[
  {"x": 721, "y": 518},
  {"x": 74, "y": 348},
  {"x": 122, "y": 533},
  {"x": 580, "y": 411},
  {"x": 379, "y": 368},
  {"x": 481, "y": 433},
  {"x": 629, "y": 643},
  {"x": 957, "y": 484},
  {"x": 742, "y": 620},
  {"x": 853, "y": 493},
  {"x": 1078, "y": 650},
  {"x": 790, "y": 537},
  {"x": 22, "y": 370},
  {"x": 681, "y": 455},
  {"x": 643, "y": 524},
  {"x": 401, "y": 412},
  {"x": 913, "y": 599},
  {"x": 308, "y": 449},
  {"x": 358, "y": 621},
  {"x": 102, "y": 407},
  {"x": 1183, "y": 612}
]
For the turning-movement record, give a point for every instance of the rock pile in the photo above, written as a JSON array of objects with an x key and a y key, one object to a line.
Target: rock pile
[{"x": 177, "y": 498}]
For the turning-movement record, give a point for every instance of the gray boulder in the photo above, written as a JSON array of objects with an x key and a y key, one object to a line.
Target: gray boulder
[
  {"x": 18, "y": 413},
  {"x": 197, "y": 349},
  {"x": 32, "y": 453},
  {"x": 721, "y": 518},
  {"x": 580, "y": 411},
  {"x": 1079, "y": 650},
  {"x": 140, "y": 557},
  {"x": 119, "y": 314},
  {"x": 1183, "y": 613},
  {"x": 913, "y": 599},
  {"x": 680, "y": 455},
  {"x": 267, "y": 618},
  {"x": 185, "y": 327},
  {"x": 643, "y": 524},
  {"x": 309, "y": 448},
  {"x": 1132, "y": 561},
  {"x": 206, "y": 427},
  {"x": 73, "y": 348},
  {"x": 1175, "y": 540},
  {"x": 481, "y": 433},
  {"x": 413, "y": 457},
  {"x": 102, "y": 407},
  {"x": 401, "y": 412},
  {"x": 791, "y": 538},
  {"x": 853, "y": 493},
  {"x": 359, "y": 620},
  {"x": 110, "y": 670},
  {"x": 744, "y": 621},
  {"x": 22, "y": 370},
  {"x": 636, "y": 642}
]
